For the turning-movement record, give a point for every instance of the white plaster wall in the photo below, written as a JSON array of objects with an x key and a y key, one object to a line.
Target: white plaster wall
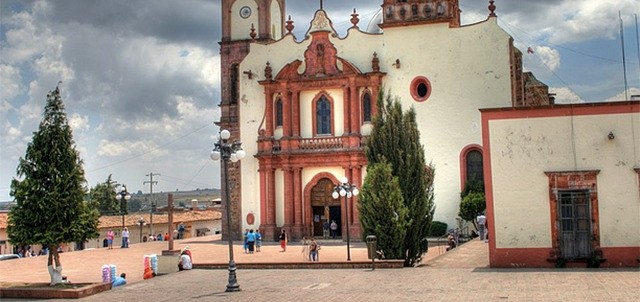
[
  {"x": 468, "y": 68},
  {"x": 522, "y": 150},
  {"x": 241, "y": 28}
]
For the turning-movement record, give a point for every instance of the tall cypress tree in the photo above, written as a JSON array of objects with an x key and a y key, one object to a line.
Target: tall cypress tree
[
  {"x": 382, "y": 210},
  {"x": 50, "y": 190},
  {"x": 395, "y": 139}
]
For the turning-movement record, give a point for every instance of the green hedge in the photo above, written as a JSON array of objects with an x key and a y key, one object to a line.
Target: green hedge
[{"x": 437, "y": 229}]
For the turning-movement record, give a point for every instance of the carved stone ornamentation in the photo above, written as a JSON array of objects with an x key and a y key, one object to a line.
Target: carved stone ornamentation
[
  {"x": 268, "y": 72},
  {"x": 289, "y": 27},
  {"x": 354, "y": 18},
  {"x": 253, "y": 32},
  {"x": 492, "y": 9},
  {"x": 375, "y": 63}
]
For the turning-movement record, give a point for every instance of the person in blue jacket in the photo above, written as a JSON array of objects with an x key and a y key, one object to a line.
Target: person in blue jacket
[{"x": 119, "y": 281}]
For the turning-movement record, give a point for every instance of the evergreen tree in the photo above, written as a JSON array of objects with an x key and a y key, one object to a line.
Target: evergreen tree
[
  {"x": 50, "y": 190},
  {"x": 382, "y": 210},
  {"x": 395, "y": 138},
  {"x": 105, "y": 197}
]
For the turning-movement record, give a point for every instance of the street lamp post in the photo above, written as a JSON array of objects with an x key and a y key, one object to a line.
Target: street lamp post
[
  {"x": 123, "y": 196},
  {"x": 346, "y": 190},
  {"x": 141, "y": 223},
  {"x": 228, "y": 151}
]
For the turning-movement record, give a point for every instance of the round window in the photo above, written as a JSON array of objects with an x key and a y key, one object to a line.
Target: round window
[{"x": 420, "y": 89}]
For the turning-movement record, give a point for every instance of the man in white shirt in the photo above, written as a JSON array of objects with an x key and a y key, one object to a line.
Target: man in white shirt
[{"x": 482, "y": 227}]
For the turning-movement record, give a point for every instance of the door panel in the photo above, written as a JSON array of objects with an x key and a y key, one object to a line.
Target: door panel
[{"x": 575, "y": 224}]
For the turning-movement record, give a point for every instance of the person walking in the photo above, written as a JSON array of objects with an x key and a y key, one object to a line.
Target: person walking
[
  {"x": 125, "y": 238},
  {"x": 482, "y": 221},
  {"x": 283, "y": 240}
]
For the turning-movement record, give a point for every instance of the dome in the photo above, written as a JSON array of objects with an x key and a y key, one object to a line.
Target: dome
[{"x": 373, "y": 27}]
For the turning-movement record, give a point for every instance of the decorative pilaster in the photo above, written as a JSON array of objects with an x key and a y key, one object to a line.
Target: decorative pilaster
[{"x": 298, "y": 227}]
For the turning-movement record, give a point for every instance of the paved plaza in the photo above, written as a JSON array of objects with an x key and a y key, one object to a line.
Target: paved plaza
[{"x": 459, "y": 275}]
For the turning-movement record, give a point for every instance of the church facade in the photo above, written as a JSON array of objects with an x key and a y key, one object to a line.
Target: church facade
[{"x": 303, "y": 106}]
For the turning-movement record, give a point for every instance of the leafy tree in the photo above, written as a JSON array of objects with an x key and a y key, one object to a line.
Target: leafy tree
[
  {"x": 382, "y": 210},
  {"x": 395, "y": 139},
  {"x": 50, "y": 188},
  {"x": 104, "y": 196},
  {"x": 471, "y": 205},
  {"x": 134, "y": 205}
]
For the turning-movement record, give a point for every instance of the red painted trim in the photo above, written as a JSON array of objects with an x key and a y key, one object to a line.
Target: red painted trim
[
  {"x": 621, "y": 256},
  {"x": 414, "y": 86},
  {"x": 561, "y": 110},
  {"x": 488, "y": 186},
  {"x": 538, "y": 257},
  {"x": 463, "y": 162},
  {"x": 573, "y": 180}
]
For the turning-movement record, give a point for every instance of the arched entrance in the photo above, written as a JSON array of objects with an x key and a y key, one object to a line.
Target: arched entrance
[{"x": 324, "y": 207}]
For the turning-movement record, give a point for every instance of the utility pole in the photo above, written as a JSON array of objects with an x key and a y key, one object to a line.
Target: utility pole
[{"x": 151, "y": 182}]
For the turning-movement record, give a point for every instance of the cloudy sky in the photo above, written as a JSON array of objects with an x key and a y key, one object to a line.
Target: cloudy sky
[{"x": 141, "y": 83}]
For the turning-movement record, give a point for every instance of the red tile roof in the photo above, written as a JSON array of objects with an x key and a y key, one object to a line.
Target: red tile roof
[{"x": 132, "y": 219}]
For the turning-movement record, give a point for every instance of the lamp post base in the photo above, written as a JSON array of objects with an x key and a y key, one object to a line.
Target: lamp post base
[{"x": 233, "y": 285}]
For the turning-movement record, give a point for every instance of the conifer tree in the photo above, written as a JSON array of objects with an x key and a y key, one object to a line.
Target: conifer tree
[
  {"x": 382, "y": 210},
  {"x": 50, "y": 189},
  {"x": 104, "y": 196},
  {"x": 395, "y": 139}
]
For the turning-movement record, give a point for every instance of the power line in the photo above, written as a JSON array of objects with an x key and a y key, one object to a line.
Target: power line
[{"x": 149, "y": 151}]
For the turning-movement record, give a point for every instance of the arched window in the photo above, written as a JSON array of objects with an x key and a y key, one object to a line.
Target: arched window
[
  {"x": 474, "y": 166},
  {"x": 471, "y": 169},
  {"x": 234, "y": 78},
  {"x": 366, "y": 107},
  {"x": 279, "y": 112},
  {"x": 323, "y": 116}
]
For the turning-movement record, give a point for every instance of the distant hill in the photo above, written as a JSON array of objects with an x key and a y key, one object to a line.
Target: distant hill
[{"x": 205, "y": 197}]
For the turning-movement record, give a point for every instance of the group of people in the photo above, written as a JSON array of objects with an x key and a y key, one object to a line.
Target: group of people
[
  {"x": 252, "y": 241},
  {"x": 111, "y": 235},
  {"x": 329, "y": 227}
]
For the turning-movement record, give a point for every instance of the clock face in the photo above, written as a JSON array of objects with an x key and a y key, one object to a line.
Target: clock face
[{"x": 245, "y": 12}]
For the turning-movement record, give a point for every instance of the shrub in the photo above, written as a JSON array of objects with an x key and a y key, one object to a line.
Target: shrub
[{"x": 437, "y": 229}]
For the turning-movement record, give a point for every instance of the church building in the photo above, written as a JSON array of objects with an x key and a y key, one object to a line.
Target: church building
[{"x": 302, "y": 106}]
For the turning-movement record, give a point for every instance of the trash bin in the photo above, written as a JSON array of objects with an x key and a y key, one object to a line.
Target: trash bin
[{"x": 372, "y": 247}]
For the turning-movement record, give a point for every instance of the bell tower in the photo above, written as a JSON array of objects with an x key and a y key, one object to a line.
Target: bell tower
[
  {"x": 408, "y": 12},
  {"x": 243, "y": 22}
]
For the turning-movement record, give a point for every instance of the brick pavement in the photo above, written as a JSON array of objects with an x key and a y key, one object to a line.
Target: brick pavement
[{"x": 461, "y": 274}]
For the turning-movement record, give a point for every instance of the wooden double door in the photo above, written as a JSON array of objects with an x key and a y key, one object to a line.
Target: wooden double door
[{"x": 324, "y": 207}]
